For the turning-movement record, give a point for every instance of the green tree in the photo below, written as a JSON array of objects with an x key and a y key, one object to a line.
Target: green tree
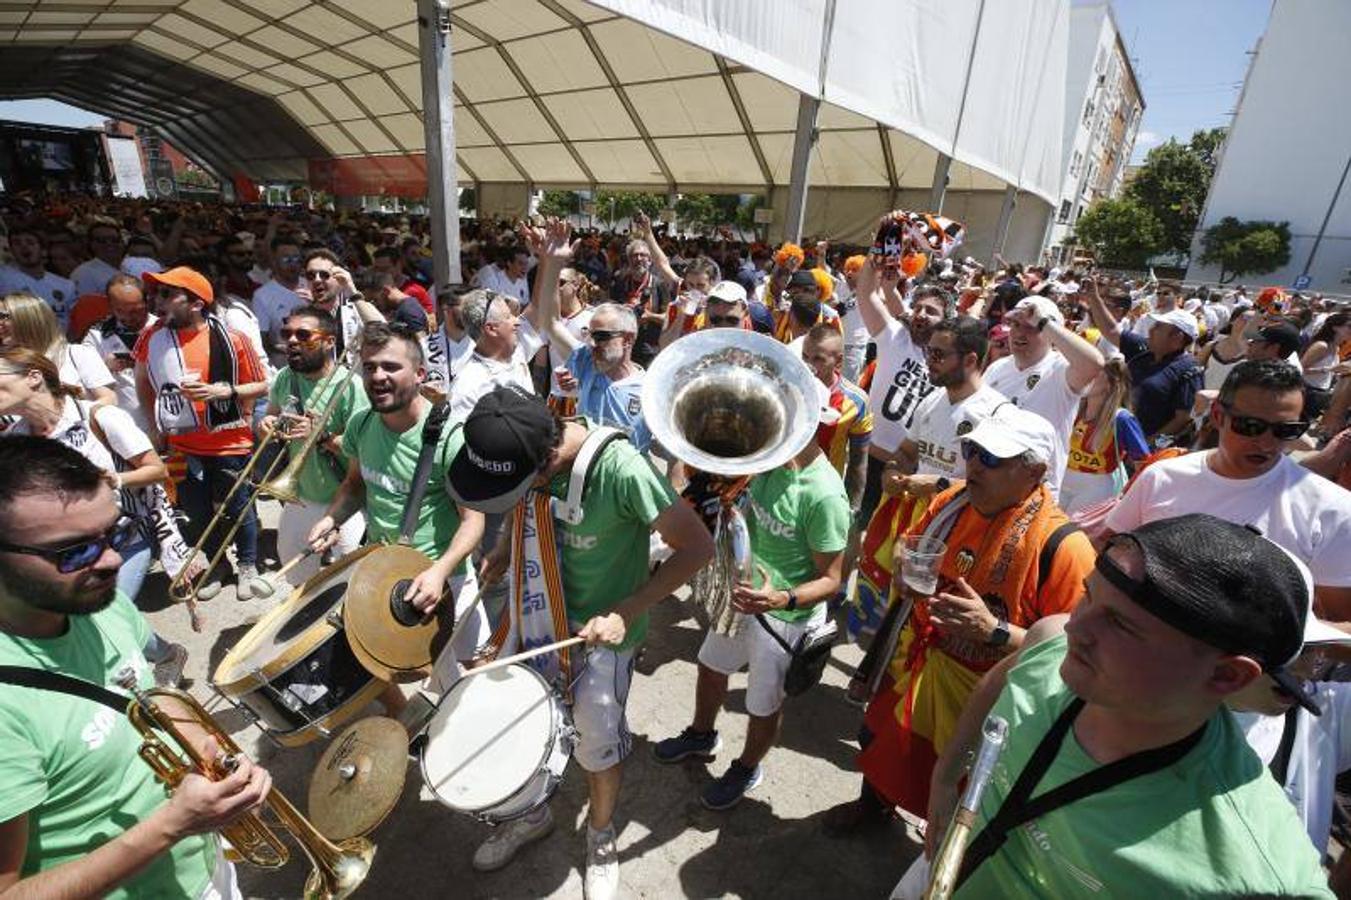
[
  {"x": 1122, "y": 232},
  {"x": 559, "y": 203},
  {"x": 468, "y": 200},
  {"x": 1173, "y": 182},
  {"x": 615, "y": 206},
  {"x": 1245, "y": 248}
]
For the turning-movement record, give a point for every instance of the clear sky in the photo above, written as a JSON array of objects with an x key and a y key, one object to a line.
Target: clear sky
[
  {"x": 1190, "y": 57},
  {"x": 48, "y": 112}
]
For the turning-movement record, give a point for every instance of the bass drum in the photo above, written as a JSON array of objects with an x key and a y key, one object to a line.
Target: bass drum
[
  {"x": 294, "y": 670},
  {"x": 497, "y": 745}
]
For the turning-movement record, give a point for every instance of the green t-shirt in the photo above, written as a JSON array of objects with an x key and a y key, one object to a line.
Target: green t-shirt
[
  {"x": 792, "y": 514},
  {"x": 71, "y": 763},
  {"x": 1213, "y": 824},
  {"x": 322, "y": 472},
  {"x": 388, "y": 461},
  {"x": 605, "y": 558}
]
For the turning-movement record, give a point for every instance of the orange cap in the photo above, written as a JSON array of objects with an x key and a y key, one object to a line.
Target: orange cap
[{"x": 190, "y": 280}]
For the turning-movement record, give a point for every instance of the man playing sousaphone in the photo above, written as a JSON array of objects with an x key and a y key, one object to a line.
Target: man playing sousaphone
[
  {"x": 383, "y": 444},
  {"x": 1010, "y": 557},
  {"x": 602, "y": 500}
]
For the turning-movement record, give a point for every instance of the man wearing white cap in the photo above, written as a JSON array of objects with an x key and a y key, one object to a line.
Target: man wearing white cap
[
  {"x": 1048, "y": 370},
  {"x": 1011, "y": 558}
]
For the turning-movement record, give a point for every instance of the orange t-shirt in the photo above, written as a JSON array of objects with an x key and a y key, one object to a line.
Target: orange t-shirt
[
  {"x": 88, "y": 310},
  {"x": 195, "y": 347}
]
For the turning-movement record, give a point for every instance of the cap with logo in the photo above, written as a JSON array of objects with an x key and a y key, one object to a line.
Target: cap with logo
[
  {"x": 502, "y": 445},
  {"x": 1009, "y": 431}
]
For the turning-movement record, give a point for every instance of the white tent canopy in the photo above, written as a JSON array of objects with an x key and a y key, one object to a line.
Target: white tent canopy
[{"x": 566, "y": 93}]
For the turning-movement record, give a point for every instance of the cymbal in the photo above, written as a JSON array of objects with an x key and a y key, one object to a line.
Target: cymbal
[
  {"x": 359, "y": 779},
  {"x": 387, "y": 635}
]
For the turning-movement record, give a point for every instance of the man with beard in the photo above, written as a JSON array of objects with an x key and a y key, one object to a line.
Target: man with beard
[
  {"x": 29, "y": 274},
  {"x": 273, "y": 302},
  {"x": 105, "y": 243},
  {"x": 201, "y": 378},
  {"x": 383, "y": 444},
  {"x": 645, "y": 285},
  {"x": 808, "y": 290},
  {"x": 114, "y": 338},
  {"x": 448, "y": 348},
  {"x": 332, "y": 290},
  {"x": 80, "y": 815},
  {"x": 769, "y": 294},
  {"x": 300, "y": 393},
  {"x": 609, "y": 383}
]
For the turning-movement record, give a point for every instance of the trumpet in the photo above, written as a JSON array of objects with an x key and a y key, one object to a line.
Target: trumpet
[
  {"x": 337, "y": 870},
  {"x": 282, "y": 487},
  {"x": 947, "y": 864}
]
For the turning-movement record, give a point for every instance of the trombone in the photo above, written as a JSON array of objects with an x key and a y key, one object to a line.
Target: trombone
[
  {"x": 337, "y": 870},
  {"x": 283, "y": 487}
]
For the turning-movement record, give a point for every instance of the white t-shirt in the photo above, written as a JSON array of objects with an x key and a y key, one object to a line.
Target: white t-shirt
[
  {"x": 1321, "y": 750},
  {"x": 124, "y": 381},
  {"x": 578, "y": 324},
  {"x": 1304, "y": 513},
  {"x": 939, "y": 427},
  {"x": 91, "y": 276},
  {"x": 481, "y": 374},
  {"x": 900, "y": 382},
  {"x": 271, "y": 304},
  {"x": 492, "y": 278},
  {"x": 1042, "y": 388},
  {"x": 446, "y": 356},
  {"x": 57, "y": 291},
  {"x": 119, "y": 430},
  {"x": 240, "y": 317},
  {"x": 84, "y": 367}
]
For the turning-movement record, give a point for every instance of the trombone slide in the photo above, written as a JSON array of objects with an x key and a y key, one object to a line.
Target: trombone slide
[{"x": 947, "y": 863}]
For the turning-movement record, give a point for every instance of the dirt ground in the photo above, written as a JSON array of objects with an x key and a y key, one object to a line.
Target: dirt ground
[{"x": 770, "y": 845}]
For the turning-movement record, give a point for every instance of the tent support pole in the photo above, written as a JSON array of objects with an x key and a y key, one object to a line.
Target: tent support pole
[
  {"x": 803, "y": 140},
  {"x": 438, "y": 123},
  {"x": 1005, "y": 218},
  {"x": 940, "y": 183}
]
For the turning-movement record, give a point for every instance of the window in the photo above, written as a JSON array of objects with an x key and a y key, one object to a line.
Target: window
[
  {"x": 1064, "y": 214},
  {"x": 1075, "y": 162},
  {"x": 1088, "y": 111}
]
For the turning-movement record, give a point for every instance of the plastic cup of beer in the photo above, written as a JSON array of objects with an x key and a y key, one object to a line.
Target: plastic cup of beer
[
  {"x": 192, "y": 376},
  {"x": 920, "y": 558}
]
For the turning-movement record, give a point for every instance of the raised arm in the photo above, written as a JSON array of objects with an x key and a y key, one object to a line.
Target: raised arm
[
  {"x": 1102, "y": 317},
  {"x": 552, "y": 248},
  {"x": 659, "y": 259},
  {"x": 871, "y": 306}
]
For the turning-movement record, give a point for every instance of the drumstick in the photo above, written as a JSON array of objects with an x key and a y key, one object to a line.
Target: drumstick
[
  {"x": 518, "y": 657},
  {"x": 296, "y": 560}
]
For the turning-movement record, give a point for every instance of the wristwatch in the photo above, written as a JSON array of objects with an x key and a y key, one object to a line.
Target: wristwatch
[
  {"x": 792, "y": 601},
  {"x": 942, "y": 484},
  {"x": 1000, "y": 636}
]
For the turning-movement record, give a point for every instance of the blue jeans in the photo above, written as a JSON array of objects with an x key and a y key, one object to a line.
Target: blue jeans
[
  {"x": 135, "y": 563},
  {"x": 210, "y": 477}
]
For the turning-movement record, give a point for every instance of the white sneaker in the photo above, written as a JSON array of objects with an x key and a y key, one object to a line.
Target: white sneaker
[
  {"x": 602, "y": 865},
  {"x": 507, "y": 840},
  {"x": 251, "y": 584}
]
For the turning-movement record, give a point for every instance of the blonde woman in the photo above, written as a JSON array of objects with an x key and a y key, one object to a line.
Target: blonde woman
[
  {"x": 27, "y": 321},
  {"x": 1106, "y": 438}
]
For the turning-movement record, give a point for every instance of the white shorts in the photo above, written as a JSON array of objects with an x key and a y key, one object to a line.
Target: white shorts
[
  {"x": 224, "y": 885},
  {"x": 598, "y": 699},
  {"x": 297, "y": 520},
  {"x": 471, "y": 632},
  {"x": 751, "y": 646}
]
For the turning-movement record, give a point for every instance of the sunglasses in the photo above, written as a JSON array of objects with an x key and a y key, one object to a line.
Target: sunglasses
[
  {"x": 319, "y": 275},
  {"x": 1251, "y": 426},
  {"x": 290, "y": 259},
  {"x": 723, "y": 321},
  {"x": 304, "y": 335},
  {"x": 600, "y": 337},
  {"x": 168, "y": 292},
  {"x": 124, "y": 534},
  {"x": 987, "y": 459}
]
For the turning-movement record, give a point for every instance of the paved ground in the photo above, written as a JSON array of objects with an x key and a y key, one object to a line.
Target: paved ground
[{"x": 770, "y": 845}]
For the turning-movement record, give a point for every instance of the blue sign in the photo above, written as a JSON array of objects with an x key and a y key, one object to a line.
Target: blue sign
[{"x": 1303, "y": 282}]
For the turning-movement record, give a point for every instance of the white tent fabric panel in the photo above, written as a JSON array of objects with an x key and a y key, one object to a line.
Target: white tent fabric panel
[{"x": 592, "y": 115}]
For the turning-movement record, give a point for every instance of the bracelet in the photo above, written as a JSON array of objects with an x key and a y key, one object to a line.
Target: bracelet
[{"x": 792, "y": 601}]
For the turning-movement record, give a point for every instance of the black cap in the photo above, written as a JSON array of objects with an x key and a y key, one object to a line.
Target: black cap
[
  {"x": 1284, "y": 335},
  {"x": 505, "y": 442},
  {"x": 1225, "y": 585},
  {"x": 803, "y": 278}
]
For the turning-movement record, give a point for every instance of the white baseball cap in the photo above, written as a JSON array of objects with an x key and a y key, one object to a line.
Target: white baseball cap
[
  {"x": 1009, "y": 431},
  {"x": 1041, "y": 308},
  {"x": 1183, "y": 321},
  {"x": 728, "y": 292}
]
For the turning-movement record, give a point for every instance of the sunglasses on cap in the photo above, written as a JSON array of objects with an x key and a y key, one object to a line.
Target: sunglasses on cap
[
  {"x": 1252, "y": 426},
  {"x": 122, "y": 535},
  {"x": 304, "y": 335},
  {"x": 319, "y": 274},
  {"x": 987, "y": 459}
]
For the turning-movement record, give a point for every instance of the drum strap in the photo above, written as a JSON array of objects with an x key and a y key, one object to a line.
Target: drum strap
[
  {"x": 570, "y": 510},
  {"x": 44, "y": 680},
  {"x": 431, "y": 438}
]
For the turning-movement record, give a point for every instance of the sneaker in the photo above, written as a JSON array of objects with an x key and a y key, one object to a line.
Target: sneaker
[
  {"x": 251, "y": 584},
  {"x": 602, "y": 865},
  {"x": 210, "y": 588},
  {"x": 735, "y": 783},
  {"x": 508, "y": 839},
  {"x": 688, "y": 743},
  {"x": 169, "y": 672}
]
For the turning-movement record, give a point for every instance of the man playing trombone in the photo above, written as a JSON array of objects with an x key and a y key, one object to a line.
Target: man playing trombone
[
  {"x": 80, "y": 815},
  {"x": 313, "y": 386}
]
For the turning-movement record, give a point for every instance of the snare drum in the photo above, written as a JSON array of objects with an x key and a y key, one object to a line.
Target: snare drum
[
  {"x": 497, "y": 745},
  {"x": 294, "y": 671}
]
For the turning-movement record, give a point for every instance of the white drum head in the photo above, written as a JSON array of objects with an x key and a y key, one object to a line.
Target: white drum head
[{"x": 489, "y": 737}]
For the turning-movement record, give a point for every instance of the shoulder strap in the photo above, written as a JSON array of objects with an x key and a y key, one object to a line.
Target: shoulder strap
[
  {"x": 1280, "y": 763},
  {"x": 42, "y": 679},
  {"x": 570, "y": 510},
  {"x": 1048, "y": 550},
  {"x": 431, "y": 436},
  {"x": 775, "y": 635}
]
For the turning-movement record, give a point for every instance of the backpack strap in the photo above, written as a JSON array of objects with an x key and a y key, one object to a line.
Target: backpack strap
[
  {"x": 570, "y": 510},
  {"x": 45, "y": 680},
  {"x": 1048, "y": 550}
]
